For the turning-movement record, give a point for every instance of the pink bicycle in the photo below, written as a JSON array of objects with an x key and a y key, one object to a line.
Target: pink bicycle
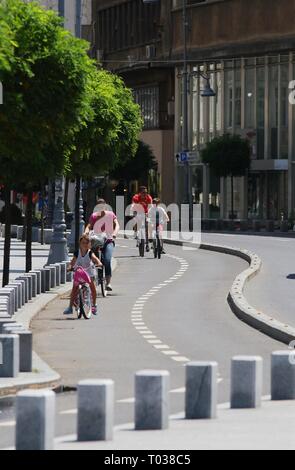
[{"x": 83, "y": 303}]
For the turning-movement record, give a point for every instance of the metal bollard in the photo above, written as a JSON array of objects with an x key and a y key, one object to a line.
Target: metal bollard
[
  {"x": 246, "y": 382},
  {"x": 35, "y": 420},
  {"x": 53, "y": 276},
  {"x": 152, "y": 399},
  {"x": 95, "y": 410},
  {"x": 47, "y": 279},
  {"x": 63, "y": 272},
  {"x": 283, "y": 375},
  {"x": 58, "y": 273},
  {"x": 201, "y": 390}
]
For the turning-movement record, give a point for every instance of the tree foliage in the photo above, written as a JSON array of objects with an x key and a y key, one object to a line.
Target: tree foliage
[
  {"x": 137, "y": 167},
  {"x": 228, "y": 155}
]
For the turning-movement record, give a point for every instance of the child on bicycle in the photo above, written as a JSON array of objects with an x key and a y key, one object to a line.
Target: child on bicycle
[{"x": 85, "y": 259}]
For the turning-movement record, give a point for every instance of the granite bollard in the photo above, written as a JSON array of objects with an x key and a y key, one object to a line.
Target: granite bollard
[
  {"x": 25, "y": 346},
  {"x": 35, "y": 420},
  {"x": 95, "y": 410},
  {"x": 26, "y": 281},
  {"x": 47, "y": 274},
  {"x": 246, "y": 382},
  {"x": 152, "y": 399},
  {"x": 9, "y": 356},
  {"x": 53, "y": 276},
  {"x": 9, "y": 293},
  {"x": 283, "y": 375},
  {"x": 38, "y": 281},
  {"x": 201, "y": 390},
  {"x": 19, "y": 292}
]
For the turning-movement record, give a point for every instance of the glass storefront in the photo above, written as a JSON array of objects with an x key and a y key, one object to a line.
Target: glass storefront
[{"x": 251, "y": 100}]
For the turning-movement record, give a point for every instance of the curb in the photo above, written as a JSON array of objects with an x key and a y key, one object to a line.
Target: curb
[{"x": 236, "y": 299}]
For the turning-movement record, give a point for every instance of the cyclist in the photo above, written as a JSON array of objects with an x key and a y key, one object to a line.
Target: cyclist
[
  {"x": 105, "y": 222},
  {"x": 86, "y": 260},
  {"x": 141, "y": 203},
  {"x": 158, "y": 217}
]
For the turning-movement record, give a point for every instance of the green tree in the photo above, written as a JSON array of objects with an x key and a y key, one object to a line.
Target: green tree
[
  {"x": 136, "y": 168},
  {"x": 228, "y": 155},
  {"x": 110, "y": 132},
  {"x": 45, "y": 100}
]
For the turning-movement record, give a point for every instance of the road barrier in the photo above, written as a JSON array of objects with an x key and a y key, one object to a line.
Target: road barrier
[
  {"x": 246, "y": 382},
  {"x": 282, "y": 375},
  {"x": 9, "y": 355},
  {"x": 96, "y": 399},
  {"x": 95, "y": 410},
  {"x": 201, "y": 390},
  {"x": 151, "y": 399},
  {"x": 35, "y": 420}
]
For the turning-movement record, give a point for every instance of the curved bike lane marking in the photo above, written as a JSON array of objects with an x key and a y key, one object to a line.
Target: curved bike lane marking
[{"x": 138, "y": 311}]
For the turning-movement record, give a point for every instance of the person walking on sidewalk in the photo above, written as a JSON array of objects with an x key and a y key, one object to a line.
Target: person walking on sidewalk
[{"x": 105, "y": 222}]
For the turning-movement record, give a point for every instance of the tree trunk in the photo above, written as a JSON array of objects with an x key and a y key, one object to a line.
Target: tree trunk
[
  {"x": 7, "y": 241},
  {"x": 232, "y": 197},
  {"x": 66, "y": 194},
  {"x": 42, "y": 216},
  {"x": 29, "y": 215},
  {"x": 77, "y": 212}
]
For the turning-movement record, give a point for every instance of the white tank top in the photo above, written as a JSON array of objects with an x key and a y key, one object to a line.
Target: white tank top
[{"x": 85, "y": 262}]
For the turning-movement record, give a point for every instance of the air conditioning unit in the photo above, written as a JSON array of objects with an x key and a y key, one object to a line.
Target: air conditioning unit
[
  {"x": 150, "y": 51},
  {"x": 99, "y": 54}
]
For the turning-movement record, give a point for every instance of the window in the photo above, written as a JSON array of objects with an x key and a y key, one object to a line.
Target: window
[{"x": 148, "y": 100}]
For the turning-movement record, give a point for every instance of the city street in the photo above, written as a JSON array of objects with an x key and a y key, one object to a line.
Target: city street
[{"x": 161, "y": 315}]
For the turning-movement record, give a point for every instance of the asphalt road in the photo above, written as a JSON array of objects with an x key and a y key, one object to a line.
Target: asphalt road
[{"x": 161, "y": 315}]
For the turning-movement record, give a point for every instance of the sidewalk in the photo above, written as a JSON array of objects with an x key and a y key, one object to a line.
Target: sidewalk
[
  {"x": 42, "y": 375},
  {"x": 18, "y": 257}
]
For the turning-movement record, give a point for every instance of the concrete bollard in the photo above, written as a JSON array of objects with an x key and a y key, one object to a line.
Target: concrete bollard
[
  {"x": 25, "y": 346},
  {"x": 283, "y": 375},
  {"x": 13, "y": 231},
  {"x": 152, "y": 399},
  {"x": 9, "y": 293},
  {"x": 246, "y": 382},
  {"x": 35, "y": 420},
  {"x": 38, "y": 281},
  {"x": 9, "y": 355},
  {"x": 95, "y": 410},
  {"x": 58, "y": 274},
  {"x": 47, "y": 279},
  {"x": 43, "y": 281},
  {"x": 63, "y": 272},
  {"x": 53, "y": 276},
  {"x": 26, "y": 281},
  {"x": 19, "y": 292},
  {"x": 23, "y": 290},
  {"x": 33, "y": 276},
  {"x": 5, "y": 321},
  {"x": 35, "y": 234},
  {"x": 201, "y": 390},
  {"x": 19, "y": 232},
  {"x": 48, "y": 234},
  {"x": 30, "y": 286}
]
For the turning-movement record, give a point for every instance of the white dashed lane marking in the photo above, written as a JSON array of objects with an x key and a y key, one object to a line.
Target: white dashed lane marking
[{"x": 138, "y": 311}]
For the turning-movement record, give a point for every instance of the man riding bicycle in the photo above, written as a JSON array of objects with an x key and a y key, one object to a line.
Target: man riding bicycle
[
  {"x": 105, "y": 222},
  {"x": 158, "y": 218},
  {"x": 141, "y": 203}
]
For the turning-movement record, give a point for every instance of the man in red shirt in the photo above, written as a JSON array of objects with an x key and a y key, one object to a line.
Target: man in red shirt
[{"x": 141, "y": 204}]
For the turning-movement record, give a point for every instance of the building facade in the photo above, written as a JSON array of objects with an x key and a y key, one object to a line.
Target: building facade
[{"x": 247, "y": 50}]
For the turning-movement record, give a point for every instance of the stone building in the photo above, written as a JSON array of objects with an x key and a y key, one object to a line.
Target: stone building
[{"x": 247, "y": 50}]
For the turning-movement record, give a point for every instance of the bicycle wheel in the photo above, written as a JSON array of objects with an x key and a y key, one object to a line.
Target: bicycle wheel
[
  {"x": 159, "y": 247},
  {"x": 77, "y": 306},
  {"x": 141, "y": 248},
  {"x": 102, "y": 282},
  {"x": 85, "y": 302},
  {"x": 155, "y": 249}
]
